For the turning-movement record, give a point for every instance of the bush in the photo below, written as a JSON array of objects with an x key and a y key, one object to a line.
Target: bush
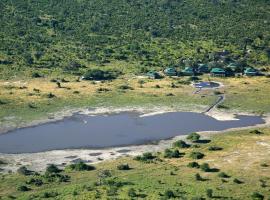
[
  {"x": 123, "y": 167},
  {"x": 49, "y": 195},
  {"x": 52, "y": 169},
  {"x": 256, "y": 132},
  {"x": 209, "y": 193},
  {"x": 23, "y": 188},
  {"x": 36, "y": 75},
  {"x": 145, "y": 157},
  {"x": 181, "y": 144},
  {"x": 193, "y": 165},
  {"x": 81, "y": 166},
  {"x": 50, "y": 95},
  {"x": 198, "y": 177},
  {"x": 205, "y": 167},
  {"x": 223, "y": 175},
  {"x": 169, "y": 194},
  {"x": 97, "y": 74},
  {"x": 215, "y": 148},
  {"x": 196, "y": 155},
  {"x": 132, "y": 193},
  {"x": 24, "y": 171},
  {"x": 257, "y": 196},
  {"x": 125, "y": 87},
  {"x": 36, "y": 182},
  {"x": 237, "y": 181},
  {"x": 194, "y": 137},
  {"x": 171, "y": 153}
]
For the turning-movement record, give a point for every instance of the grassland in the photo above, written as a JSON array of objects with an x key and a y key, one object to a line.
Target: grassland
[
  {"x": 27, "y": 99},
  {"x": 244, "y": 158}
]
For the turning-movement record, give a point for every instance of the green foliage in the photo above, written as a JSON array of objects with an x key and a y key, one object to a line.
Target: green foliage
[
  {"x": 181, "y": 144},
  {"x": 215, "y": 148},
  {"x": 257, "y": 132},
  {"x": 223, "y": 175},
  {"x": 23, "y": 188},
  {"x": 123, "y": 167},
  {"x": 194, "y": 137},
  {"x": 35, "y": 181},
  {"x": 169, "y": 194},
  {"x": 52, "y": 169},
  {"x": 209, "y": 193},
  {"x": 205, "y": 167},
  {"x": 168, "y": 153},
  {"x": 132, "y": 193},
  {"x": 24, "y": 171},
  {"x": 125, "y": 87},
  {"x": 81, "y": 166},
  {"x": 66, "y": 35},
  {"x": 196, "y": 155},
  {"x": 257, "y": 196},
  {"x": 193, "y": 165},
  {"x": 98, "y": 74},
  {"x": 145, "y": 157}
]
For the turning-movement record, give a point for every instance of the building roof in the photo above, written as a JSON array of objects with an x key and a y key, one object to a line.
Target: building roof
[
  {"x": 188, "y": 69},
  {"x": 251, "y": 70},
  {"x": 217, "y": 70}
]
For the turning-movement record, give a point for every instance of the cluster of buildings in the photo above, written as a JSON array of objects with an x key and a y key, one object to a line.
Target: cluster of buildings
[{"x": 231, "y": 70}]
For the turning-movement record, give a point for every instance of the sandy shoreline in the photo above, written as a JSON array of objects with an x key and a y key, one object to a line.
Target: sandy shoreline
[{"x": 39, "y": 161}]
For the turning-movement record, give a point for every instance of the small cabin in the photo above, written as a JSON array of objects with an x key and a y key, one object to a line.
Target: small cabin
[
  {"x": 170, "y": 71},
  {"x": 233, "y": 67},
  {"x": 188, "y": 71},
  {"x": 203, "y": 68},
  {"x": 251, "y": 72},
  {"x": 218, "y": 72},
  {"x": 153, "y": 75}
]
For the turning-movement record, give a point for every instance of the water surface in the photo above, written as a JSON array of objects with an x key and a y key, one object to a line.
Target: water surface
[{"x": 84, "y": 131}]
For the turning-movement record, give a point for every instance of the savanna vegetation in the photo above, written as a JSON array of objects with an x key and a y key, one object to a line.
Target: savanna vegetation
[{"x": 238, "y": 169}]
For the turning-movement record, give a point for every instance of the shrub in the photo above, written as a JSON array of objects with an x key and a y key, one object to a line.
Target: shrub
[
  {"x": 257, "y": 196},
  {"x": 193, "y": 165},
  {"x": 23, "y": 188},
  {"x": 123, "y": 167},
  {"x": 215, "y": 148},
  {"x": 198, "y": 177},
  {"x": 36, "y": 75},
  {"x": 205, "y": 167},
  {"x": 223, "y": 175},
  {"x": 220, "y": 106},
  {"x": 99, "y": 90},
  {"x": 50, "y": 95},
  {"x": 81, "y": 166},
  {"x": 145, "y": 157},
  {"x": 171, "y": 153},
  {"x": 256, "y": 132},
  {"x": 3, "y": 102},
  {"x": 209, "y": 193},
  {"x": 111, "y": 191},
  {"x": 125, "y": 87},
  {"x": 237, "y": 181},
  {"x": 181, "y": 144},
  {"x": 52, "y": 169},
  {"x": 196, "y": 155},
  {"x": 168, "y": 194},
  {"x": 24, "y": 171},
  {"x": 35, "y": 181},
  {"x": 132, "y": 193},
  {"x": 97, "y": 74},
  {"x": 49, "y": 195},
  {"x": 2, "y": 162},
  {"x": 194, "y": 137}
]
